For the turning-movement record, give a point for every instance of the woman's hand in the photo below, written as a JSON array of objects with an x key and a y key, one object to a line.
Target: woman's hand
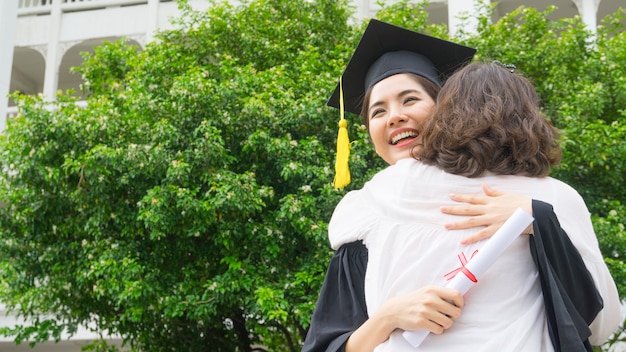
[
  {"x": 431, "y": 308},
  {"x": 490, "y": 210}
]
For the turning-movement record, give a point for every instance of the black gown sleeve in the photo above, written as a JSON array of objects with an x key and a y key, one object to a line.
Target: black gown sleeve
[
  {"x": 569, "y": 292},
  {"x": 340, "y": 308}
]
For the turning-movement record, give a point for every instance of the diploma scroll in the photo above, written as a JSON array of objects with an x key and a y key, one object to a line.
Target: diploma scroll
[{"x": 480, "y": 262}]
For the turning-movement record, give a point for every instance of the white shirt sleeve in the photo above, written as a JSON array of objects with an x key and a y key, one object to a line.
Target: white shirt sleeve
[
  {"x": 352, "y": 219},
  {"x": 576, "y": 221}
]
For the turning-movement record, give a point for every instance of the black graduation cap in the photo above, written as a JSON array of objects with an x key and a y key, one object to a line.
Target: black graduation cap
[{"x": 386, "y": 50}]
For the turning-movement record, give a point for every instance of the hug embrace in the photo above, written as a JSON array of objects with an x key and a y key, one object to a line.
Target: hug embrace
[{"x": 449, "y": 128}]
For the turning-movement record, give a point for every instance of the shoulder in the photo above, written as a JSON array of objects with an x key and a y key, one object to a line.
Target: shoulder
[
  {"x": 351, "y": 219},
  {"x": 567, "y": 197},
  {"x": 404, "y": 174}
]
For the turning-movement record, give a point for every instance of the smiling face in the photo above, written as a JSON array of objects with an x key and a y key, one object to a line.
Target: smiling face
[{"x": 395, "y": 110}]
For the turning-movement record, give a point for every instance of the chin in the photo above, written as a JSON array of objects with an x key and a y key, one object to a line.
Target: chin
[{"x": 399, "y": 157}]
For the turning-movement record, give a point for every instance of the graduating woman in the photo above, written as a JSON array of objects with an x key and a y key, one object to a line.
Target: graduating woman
[{"x": 404, "y": 293}]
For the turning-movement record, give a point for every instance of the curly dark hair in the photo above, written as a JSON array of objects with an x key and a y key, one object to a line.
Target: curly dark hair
[{"x": 488, "y": 119}]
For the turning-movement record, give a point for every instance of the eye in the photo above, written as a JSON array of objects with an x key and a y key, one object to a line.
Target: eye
[
  {"x": 376, "y": 113},
  {"x": 410, "y": 99}
]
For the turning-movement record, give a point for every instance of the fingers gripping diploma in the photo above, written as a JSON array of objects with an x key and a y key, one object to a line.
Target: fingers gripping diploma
[
  {"x": 490, "y": 210},
  {"x": 445, "y": 307},
  {"x": 431, "y": 308}
]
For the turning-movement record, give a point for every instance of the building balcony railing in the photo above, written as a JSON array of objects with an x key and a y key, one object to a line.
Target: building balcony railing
[
  {"x": 43, "y": 7},
  {"x": 12, "y": 111}
]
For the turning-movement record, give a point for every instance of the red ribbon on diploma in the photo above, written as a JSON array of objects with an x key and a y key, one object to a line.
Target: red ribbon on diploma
[{"x": 449, "y": 276}]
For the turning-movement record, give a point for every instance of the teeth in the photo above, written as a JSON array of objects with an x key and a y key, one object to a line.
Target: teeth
[{"x": 403, "y": 135}]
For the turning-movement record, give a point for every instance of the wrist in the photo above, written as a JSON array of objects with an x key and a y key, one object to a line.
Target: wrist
[
  {"x": 385, "y": 321},
  {"x": 372, "y": 333}
]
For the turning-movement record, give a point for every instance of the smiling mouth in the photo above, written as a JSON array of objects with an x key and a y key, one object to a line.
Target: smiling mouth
[{"x": 404, "y": 135}]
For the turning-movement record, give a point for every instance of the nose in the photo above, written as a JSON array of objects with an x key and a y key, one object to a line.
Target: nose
[{"x": 396, "y": 116}]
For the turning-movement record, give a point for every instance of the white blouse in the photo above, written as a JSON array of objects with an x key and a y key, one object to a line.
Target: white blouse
[{"x": 397, "y": 216}]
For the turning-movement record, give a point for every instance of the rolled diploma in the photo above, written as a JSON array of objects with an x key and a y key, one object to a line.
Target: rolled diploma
[{"x": 481, "y": 261}]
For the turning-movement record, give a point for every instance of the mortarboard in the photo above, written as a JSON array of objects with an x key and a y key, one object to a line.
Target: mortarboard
[{"x": 386, "y": 50}]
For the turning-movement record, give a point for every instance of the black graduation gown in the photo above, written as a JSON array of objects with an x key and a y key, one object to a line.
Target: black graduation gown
[
  {"x": 340, "y": 308},
  {"x": 570, "y": 296},
  {"x": 569, "y": 293}
]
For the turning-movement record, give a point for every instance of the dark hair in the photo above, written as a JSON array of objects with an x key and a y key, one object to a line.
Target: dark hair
[
  {"x": 487, "y": 119},
  {"x": 429, "y": 87}
]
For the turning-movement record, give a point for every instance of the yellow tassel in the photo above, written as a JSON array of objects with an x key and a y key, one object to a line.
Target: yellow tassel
[{"x": 342, "y": 171}]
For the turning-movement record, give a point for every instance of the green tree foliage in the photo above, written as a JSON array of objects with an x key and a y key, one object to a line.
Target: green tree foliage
[{"x": 186, "y": 207}]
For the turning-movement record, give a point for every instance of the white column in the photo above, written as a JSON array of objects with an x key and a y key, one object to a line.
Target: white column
[
  {"x": 362, "y": 10},
  {"x": 51, "y": 76},
  {"x": 8, "y": 22},
  {"x": 153, "y": 20},
  {"x": 463, "y": 8},
  {"x": 588, "y": 10}
]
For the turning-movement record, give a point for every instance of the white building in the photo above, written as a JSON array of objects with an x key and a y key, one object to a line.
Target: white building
[{"x": 41, "y": 39}]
